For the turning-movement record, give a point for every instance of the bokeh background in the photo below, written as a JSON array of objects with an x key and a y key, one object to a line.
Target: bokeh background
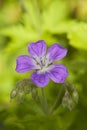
[{"x": 25, "y": 21}]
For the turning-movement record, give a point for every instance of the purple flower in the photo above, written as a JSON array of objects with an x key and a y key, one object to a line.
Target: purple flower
[{"x": 41, "y": 61}]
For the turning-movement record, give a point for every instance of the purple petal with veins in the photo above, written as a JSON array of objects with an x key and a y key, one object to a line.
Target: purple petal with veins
[
  {"x": 24, "y": 64},
  {"x": 40, "y": 80},
  {"x": 37, "y": 49},
  {"x": 56, "y": 52},
  {"x": 58, "y": 73}
]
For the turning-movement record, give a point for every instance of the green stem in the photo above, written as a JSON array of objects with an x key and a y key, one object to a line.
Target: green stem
[
  {"x": 44, "y": 102},
  {"x": 28, "y": 12},
  {"x": 37, "y": 9},
  {"x": 57, "y": 101}
]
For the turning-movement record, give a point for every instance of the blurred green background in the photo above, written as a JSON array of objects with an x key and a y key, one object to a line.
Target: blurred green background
[{"x": 25, "y": 21}]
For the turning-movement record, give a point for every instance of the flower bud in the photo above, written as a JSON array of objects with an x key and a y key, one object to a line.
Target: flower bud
[
  {"x": 70, "y": 104},
  {"x": 13, "y": 93},
  {"x": 20, "y": 97},
  {"x": 67, "y": 101},
  {"x": 27, "y": 89},
  {"x": 75, "y": 96},
  {"x": 34, "y": 93}
]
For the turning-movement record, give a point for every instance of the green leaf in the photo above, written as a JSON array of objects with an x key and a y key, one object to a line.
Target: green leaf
[
  {"x": 78, "y": 65},
  {"x": 54, "y": 13},
  {"x": 19, "y": 36},
  {"x": 31, "y": 8},
  {"x": 77, "y": 35},
  {"x": 63, "y": 26}
]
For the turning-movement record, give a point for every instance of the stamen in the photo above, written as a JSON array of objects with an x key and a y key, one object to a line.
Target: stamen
[{"x": 42, "y": 63}]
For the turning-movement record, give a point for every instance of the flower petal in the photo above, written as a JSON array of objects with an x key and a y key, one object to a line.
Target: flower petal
[
  {"x": 40, "y": 80},
  {"x": 37, "y": 49},
  {"x": 24, "y": 64},
  {"x": 58, "y": 73},
  {"x": 56, "y": 52}
]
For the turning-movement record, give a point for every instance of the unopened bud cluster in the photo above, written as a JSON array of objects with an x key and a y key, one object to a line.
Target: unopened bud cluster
[
  {"x": 23, "y": 88},
  {"x": 70, "y": 98}
]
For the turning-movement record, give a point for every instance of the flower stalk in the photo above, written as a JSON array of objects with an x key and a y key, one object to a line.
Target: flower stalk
[
  {"x": 44, "y": 102},
  {"x": 57, "y": 101}
]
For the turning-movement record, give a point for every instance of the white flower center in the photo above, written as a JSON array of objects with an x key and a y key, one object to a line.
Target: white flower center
[{"x": 42, "y": 64}]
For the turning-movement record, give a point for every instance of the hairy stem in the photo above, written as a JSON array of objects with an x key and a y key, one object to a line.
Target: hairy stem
[
  {"x": 44, "y": 102},
  {"x": 57, "y": 101}
]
